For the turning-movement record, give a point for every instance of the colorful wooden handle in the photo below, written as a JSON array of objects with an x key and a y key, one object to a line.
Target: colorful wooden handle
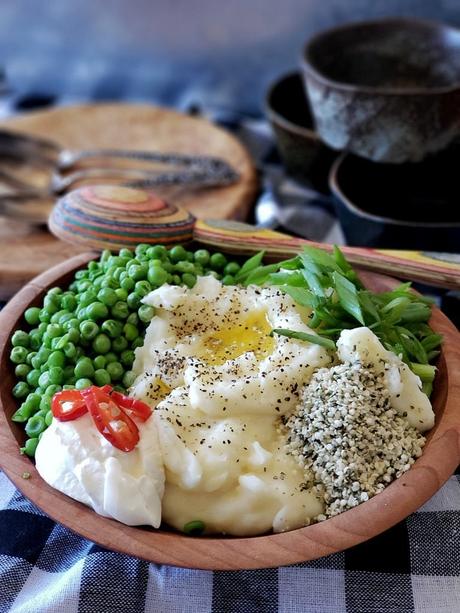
[{"x": 441, "y": 270}]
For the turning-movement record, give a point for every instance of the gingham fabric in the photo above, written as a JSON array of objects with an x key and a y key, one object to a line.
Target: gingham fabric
[{"x": 414, "y": 567}]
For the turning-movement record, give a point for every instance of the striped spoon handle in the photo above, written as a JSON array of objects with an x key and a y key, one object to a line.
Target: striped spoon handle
[{"x": 438, "y": 269}]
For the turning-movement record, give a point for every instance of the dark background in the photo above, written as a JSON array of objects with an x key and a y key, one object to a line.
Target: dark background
[{"x": 210, "y": 52}]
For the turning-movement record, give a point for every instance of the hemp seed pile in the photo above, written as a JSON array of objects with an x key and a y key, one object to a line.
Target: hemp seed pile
[{"x": 347, "y": 434}]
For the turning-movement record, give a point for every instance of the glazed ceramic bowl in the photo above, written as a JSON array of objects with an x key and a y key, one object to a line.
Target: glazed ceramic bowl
[
  {"x": 440, "y": 457},
  {"x": 407, "y": 206},
  {"x": 304, "y": 155},
  {"x": 388, "y": 90}
]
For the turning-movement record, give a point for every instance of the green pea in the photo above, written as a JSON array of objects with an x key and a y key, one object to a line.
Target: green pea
[
  {"x": 167, "y": 265},
  {"x": 107, "y": 296},
  {"x": 115, "y": 371},
  {"x": 232, "y": 268},
  {"x": 33, "y": 400},
  {"x": 119, "y": 344},
  {"x": 21, "y": 389},
  {"x": 157, "y": 251},
  {"x": 20, "y": 339},
  {"x": 30, "y": 357},
  {"x": 110, "y": 357},
  {"x": 44, "y": 380},
  {"x": 146, "y": 312},
  {"x": 121, "y": 293},
  {"x": 52, "y": 389},
  {"x": 71, "y": 324},
  {"x": 44, "y": 354},
  {"x": 133, "y": 319},
  {"x": 99, "y": 362},
  {"x": 35, "y": 339},
  {"x": 142, "y": 288},
  {"x": 69, "y": 375},
  {"x": 30, "y": 446},
  {"x": 127, "y": 284},
  {"x": 22, "y": 414},
  {"x": 56, "y": 343},
  {"x": 126, "y": 253},
  {"x": 133, "y": 301},
  {"x": 56, "y": 316},
  {"x": 157, "y": 276},
  {"x": 97, "y": 310},
  {"x": 105, "y": 256},
  {"x": 189, "y": 279},
  {"x": 84, "y": 368},
  {"x": 218, "y": 261},
  {"x": 61, "y": 342},
  {"x": 89, "y": 330},
  {"x": 69, "y": 302},
  {"x": 56, "y": 375},
  {"x": 82, "y": 383},
  {"x": 112, "y": 327},
  {"x": 130, "y": 331},
  {"x": 65, "y": 317},
  {"x": 35, "y": 425},
  {"x": 177, "y": 253},
  {"x": 176, "y": 280},
  {"x": 44, "y": 315},
  {"x": 73, "y": 335},
  {"x": 194, "y": 528},
  {"x": 138, "y": 272},
  {"x": 54, "y": 330},
  {"x": 70, "y": 351},
  {"x": 128, "y": 378},
  {"x": 137, "y": 342},
  {"x": 33, "y": 377},
  {"x": 202, "y": 256},
  {"x": 51, "y": 303},
  {"x": 48, "y": 418},
  {"x": 127, "y": 358},
  {"x": 56, "y": 358},
  {"x": 31, "y": 316},
  {"x": 185, "y": 266},
  {"x": 120, "y": 310},
  {"x": 22, "y": 370},
  {"x": 101, "y": 377},
  {"x": 141, "y": 248},
  {"x": 45, "y": 403},
  {"x": 102, "y": 344},
  {"x": 228, "y": 280},
  {"x": 87, "y": 297},
  {"x": 41, "y": 328},
  {"x": 18, "y": 355}
]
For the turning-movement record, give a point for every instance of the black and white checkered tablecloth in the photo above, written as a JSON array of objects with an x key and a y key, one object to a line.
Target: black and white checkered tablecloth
[{"x": 414, "y": 567}]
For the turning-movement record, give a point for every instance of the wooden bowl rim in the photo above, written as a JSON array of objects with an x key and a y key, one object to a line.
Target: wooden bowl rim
[{"x": 440, "y": 458}]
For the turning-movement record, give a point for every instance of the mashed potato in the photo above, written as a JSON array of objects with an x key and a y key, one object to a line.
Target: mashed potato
[{"x": 221, "y": 383}]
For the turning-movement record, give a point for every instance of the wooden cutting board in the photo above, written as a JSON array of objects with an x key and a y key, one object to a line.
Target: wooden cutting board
[{"x": 26, "y": 251}]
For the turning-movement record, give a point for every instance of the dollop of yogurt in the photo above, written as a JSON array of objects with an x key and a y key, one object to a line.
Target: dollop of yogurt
[{"x": 77, "y": 460}]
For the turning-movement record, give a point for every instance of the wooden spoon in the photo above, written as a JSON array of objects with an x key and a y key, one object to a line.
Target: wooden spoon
[{"x": 105, "y": 217}]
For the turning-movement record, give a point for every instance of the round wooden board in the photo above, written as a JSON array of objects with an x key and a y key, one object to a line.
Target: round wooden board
[
  {"x": 26, "y": 251},
  {"x": 439, "y": 460}
]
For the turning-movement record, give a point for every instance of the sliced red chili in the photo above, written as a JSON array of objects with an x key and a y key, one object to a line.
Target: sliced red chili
[
  {"x": 68, "y": 405},
  {"x": 136, "y": 407},
  {"x": 111, "y": 420}
]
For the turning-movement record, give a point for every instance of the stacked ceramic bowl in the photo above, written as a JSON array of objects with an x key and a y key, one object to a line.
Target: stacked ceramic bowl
[{"x": 385, "y": 97}]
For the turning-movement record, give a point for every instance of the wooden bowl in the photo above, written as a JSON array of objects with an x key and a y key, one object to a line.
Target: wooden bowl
[{"x": 440, "y": 458}]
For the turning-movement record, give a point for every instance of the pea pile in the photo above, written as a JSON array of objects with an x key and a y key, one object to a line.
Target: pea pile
[{"x": 86, "y": 335}]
